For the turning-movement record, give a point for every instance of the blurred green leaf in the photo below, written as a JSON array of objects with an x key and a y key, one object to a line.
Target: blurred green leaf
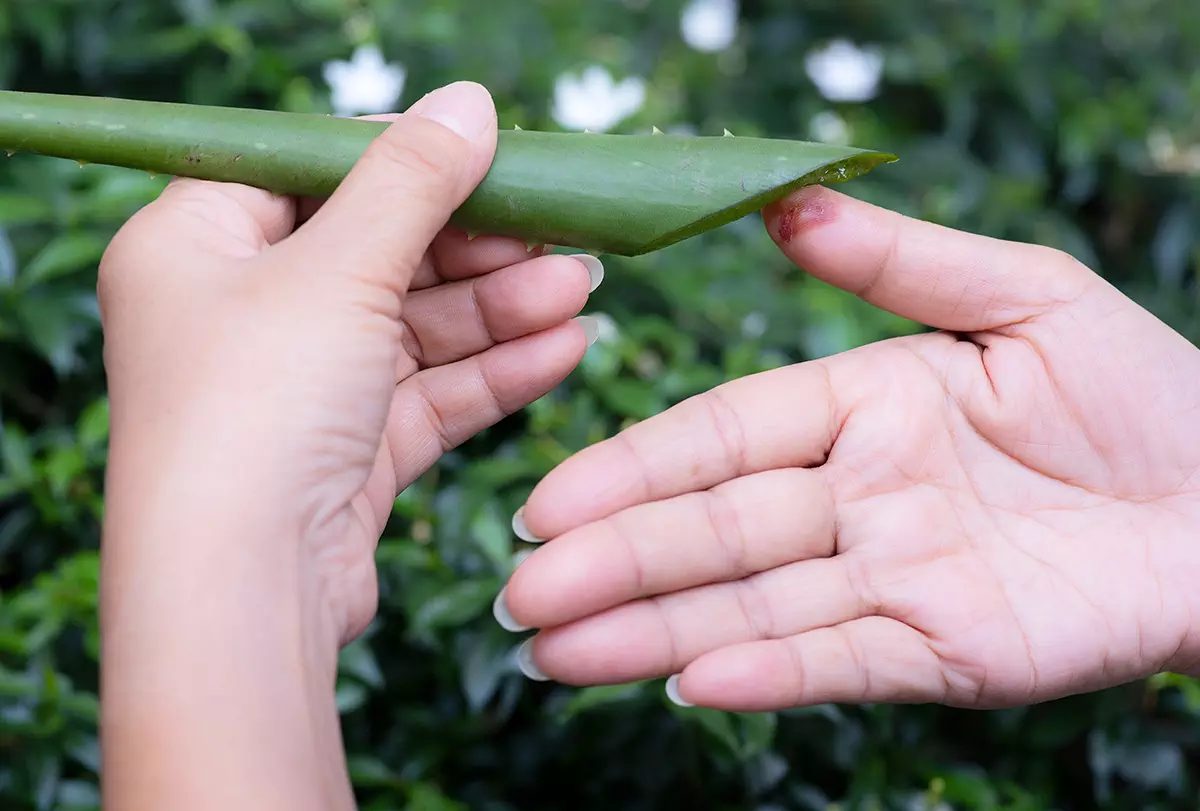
[
  {"x": 18, "y": 208},
  {"x": 720, "y": 725},
  {"x": 589, "y": 698},
  {"x": 350, "y": 696},
  {"x": 370, "y": 772},
  {"x": 68, "y": 253},
  {"x": 358, "y": 660},
  {"x": 56, "y": 325},
  {"x": 17, "y": 455},
  {"x": 493, "y": 534},
  {"x": 8, "y": 260},
  {"x": 77, "y": 795},
  {"x": 455, "y": 605},
  {"x": 425, "y": 797},
  {"x": 93, "y": 424},
  {"x": 758, "y": 733}
]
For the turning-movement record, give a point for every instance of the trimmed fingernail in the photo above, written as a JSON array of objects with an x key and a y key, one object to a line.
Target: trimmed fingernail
[
  {"x": 595, "y": 269},
  {"x": 527, "y": 665},
  {"x": 463, "y": 107},
  {"x": 673, "y": 693},
  {"x": 521, "y": 530},
  {"x": 503, "y": 616},
  {"x": 591, "y": 327}
]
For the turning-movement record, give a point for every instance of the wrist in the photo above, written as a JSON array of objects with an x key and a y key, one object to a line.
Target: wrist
[{"x": 219, "y": 656}]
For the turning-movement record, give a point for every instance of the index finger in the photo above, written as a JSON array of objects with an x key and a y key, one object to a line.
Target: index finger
[
  {"x": 938, "y": 276},
  {"x": 781, "y": 418},
  {"x": 227, "y": 219}
]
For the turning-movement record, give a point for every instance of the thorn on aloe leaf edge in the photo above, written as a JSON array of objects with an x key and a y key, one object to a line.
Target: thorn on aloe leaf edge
[{"x": 656, "y": 131}]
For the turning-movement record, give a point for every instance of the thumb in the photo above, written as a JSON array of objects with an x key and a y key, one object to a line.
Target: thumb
[
  {"x": 379, "y": 223},
  {"x": 940, "y": 277}
]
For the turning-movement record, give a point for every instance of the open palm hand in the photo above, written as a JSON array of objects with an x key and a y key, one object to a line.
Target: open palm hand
[{"x": 1002, "y": 512}]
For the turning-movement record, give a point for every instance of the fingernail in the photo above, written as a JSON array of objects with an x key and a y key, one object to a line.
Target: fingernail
[
  {"x": 673, "y": 693},
  {"x": 595, "y": 269},
  {"x": 463, "y": 107},
  {"x": 526, "y": 663},
  {"x": 503, "y": 616},
  {"x": 521, "y": 557},
  {"x": 591, "y": 327},
  {"x": 521, "y": 530}
]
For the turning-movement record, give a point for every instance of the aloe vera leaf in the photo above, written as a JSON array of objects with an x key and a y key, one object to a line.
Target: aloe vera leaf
[{"x": 619, "y": 194}]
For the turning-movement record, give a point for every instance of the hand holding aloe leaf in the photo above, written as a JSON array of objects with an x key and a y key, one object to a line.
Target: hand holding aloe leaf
[
  {"x": 273, "y": 389},
  {"x": 620, "y": 194}
]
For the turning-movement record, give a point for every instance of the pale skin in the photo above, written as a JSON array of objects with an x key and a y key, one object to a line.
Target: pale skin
[
  {"x": 979, "y": 522},
  {"x": 998, "y": 514},
  {"x": 273, "y": 388}
]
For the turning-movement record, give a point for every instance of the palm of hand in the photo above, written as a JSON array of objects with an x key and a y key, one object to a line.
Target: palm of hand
[
  {"x": 1031, "y": 555},
  {"x": 483, "y": 331},
  {"x": 981, "y": 521}
]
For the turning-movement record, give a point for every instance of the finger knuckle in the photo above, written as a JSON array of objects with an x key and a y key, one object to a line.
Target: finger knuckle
[
  {"x": 639, "y": 576},
  {"x": 726, "y": 425},
  {"x": 675, "y": 651},
  {"x": 754, "y": 605},
  {"x": 861, "y": 585},
  {"x": 1056, "y": 259},
  {"x": 119, "y": 261},
  {"x": 856, "y": 659},
  {"x": 437, "y": 423},
  {"x": 1066, "y": 276},
  {"x": 729, "y": 536}
]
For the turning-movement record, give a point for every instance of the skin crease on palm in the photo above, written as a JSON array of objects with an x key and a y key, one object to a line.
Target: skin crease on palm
[{"x": 999, "y": 513}]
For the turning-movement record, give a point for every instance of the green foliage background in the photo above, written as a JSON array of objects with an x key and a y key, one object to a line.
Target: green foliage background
[{"x": 1048, "y": 120}]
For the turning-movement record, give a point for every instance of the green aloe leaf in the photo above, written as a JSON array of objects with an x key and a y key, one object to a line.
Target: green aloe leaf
[{"x": 620, "y": 194}]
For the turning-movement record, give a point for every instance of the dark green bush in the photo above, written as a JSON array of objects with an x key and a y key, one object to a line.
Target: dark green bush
[{"x": 1069, "y": 122}]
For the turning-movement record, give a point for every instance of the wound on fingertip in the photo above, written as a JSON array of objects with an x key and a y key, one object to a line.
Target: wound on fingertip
[{"x": 806, "y": 208}]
